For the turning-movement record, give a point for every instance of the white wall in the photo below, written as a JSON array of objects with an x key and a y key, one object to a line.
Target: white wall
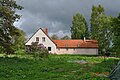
[
  {"x": 85, "y": 51},
  {"x": 47, "y": 43}
]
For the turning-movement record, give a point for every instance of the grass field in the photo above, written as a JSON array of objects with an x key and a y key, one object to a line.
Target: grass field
[{"x": 56, "y": 67}]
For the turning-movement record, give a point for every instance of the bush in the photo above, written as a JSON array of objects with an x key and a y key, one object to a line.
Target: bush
[
  {"x": 43, "y": 53},
  {"x": 1, "y": 50},
  {"x": 38, "y": 50}
]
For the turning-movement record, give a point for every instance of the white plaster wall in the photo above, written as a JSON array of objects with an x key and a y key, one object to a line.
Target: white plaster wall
[
  {"x": 84, "y": 51},
  {"x": 47, "y": 43}
]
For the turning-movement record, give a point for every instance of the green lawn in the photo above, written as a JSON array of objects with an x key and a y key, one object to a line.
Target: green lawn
[{"x": 57, "y": 67}]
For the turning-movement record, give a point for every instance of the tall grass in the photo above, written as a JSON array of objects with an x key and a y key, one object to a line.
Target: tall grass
[{"x": 56, "y": 67}]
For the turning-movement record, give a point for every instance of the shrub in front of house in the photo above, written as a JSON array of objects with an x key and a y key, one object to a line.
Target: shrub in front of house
[{"x": 38, "y": 50}]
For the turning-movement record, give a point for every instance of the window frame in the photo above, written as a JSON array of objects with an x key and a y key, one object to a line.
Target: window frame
[
  {"x": 43, "y": 39},
  {"x": 37, "y": 39}
]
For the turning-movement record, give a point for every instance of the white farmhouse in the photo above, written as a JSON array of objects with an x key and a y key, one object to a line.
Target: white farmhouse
[{"x": 84, "y": 47}]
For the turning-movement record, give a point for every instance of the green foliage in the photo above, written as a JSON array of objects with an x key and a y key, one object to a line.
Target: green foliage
[
  {"x": 54, "y": 36},
  {"x": 97, "y": 12},
  {"x": 1, "y": 50},
  {"x": 79, "y": 28},
  {"x": 57, "y": 67},
  {"x": 115, "y": 28},
  {"x": 38, "y": 50},
  {"x": 7, "y": 29},
  {"x": 19, "y": 42},
  {"x": 43, "y": 53},
  {"x": 65, "y": 37},
  {"x": 100, "y": 28}
]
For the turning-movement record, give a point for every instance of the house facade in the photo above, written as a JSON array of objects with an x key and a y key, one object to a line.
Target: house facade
[{"x": 84, "y": 47}]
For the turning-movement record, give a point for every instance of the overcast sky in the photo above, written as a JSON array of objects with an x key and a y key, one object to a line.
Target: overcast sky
[{"x": 56, "y": 15}]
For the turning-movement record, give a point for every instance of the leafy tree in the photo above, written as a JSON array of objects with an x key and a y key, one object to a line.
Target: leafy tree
[
  {"x": 115, "y": 28},
  {"x": 7, "y": 29},
  {"x": 79, "y": 28},
  {"x": 65, "y": 37},
  {"x": 97, "y": 12},
  {"x": 54, "y": 36},
  {"x": 100, "y": 28},
  {"x": 19, "y": 42}
]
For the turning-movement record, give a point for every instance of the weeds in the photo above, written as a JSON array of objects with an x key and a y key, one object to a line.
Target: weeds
[{"x": 56, "y": 67}]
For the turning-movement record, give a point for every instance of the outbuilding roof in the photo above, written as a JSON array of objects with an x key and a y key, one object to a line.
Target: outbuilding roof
[{"x": 76, "y": 43}]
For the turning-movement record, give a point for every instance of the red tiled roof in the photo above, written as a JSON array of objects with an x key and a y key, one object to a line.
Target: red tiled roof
[{"x": 76, "y": 43}]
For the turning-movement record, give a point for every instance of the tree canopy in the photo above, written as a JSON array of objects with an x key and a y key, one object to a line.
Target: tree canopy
[
  {"x": 79, "y": 28},
  {"x": 19, "y": 41},
  {"x": 100, "y": 27},
  {"x": 54, "y": 36},
  {"x": 97, "y": 13},
  {"x": 115, "y": 28},
  {"x": 7, "y": 18},
  {"x": 65, "y": 37}
]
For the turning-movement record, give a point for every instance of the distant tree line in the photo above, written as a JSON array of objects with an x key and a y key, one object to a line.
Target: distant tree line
[{"x": 56, "y": 37}]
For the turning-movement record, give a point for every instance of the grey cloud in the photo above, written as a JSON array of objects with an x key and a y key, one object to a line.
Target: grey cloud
[{"x": 57, "y": 15}]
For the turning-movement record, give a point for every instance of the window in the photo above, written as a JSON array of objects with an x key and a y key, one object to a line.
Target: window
[
  {"x": 66, "y": 49},
  {"x": 49, "y": 48},
  {"x": 37, "y": 39},
  {"x": 78, "y": 45},
  {"x": 59, "y": 49},
  {"x": 74, "y": 49},
  {"x": 43, "y": 39}
]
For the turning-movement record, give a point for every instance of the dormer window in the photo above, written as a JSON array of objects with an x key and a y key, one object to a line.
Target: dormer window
[
  {"x": 37, "y": 39},
  {"x": 66, "y": 45},
  {"x": 43, "y": 39},
  {"x": 78, "y": 45}
]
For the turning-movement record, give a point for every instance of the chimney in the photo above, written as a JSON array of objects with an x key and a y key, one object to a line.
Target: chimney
[{"x": 46, "y": 31}]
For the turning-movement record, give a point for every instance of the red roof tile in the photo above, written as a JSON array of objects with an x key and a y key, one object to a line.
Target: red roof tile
[{"x": 76, "y": 43}]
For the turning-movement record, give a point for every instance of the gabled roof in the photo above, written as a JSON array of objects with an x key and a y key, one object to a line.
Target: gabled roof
[
  {"x": 32, "y": 36},
  {"x": 76, "y": 43},
  {"x": 44, "y": 33}
]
